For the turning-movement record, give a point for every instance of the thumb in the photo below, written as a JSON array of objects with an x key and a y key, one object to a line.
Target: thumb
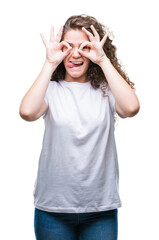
[
  {"x": 67, "y": 51},
  {"x": 84, "y": 54}
]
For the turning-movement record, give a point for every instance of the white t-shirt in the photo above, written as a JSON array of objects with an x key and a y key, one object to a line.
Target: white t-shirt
[{"x": 78, "y": 166}]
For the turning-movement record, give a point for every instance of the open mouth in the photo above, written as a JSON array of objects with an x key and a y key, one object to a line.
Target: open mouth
[{"x": 72, "y": 64}]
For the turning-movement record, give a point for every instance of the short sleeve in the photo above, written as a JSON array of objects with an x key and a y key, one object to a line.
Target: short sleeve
[
  {"x": 48, "y": 92},
  {"x": 111, "y": 99},
  {"x": 46, "y": 99},
  {"x": 112, "y": 102}
]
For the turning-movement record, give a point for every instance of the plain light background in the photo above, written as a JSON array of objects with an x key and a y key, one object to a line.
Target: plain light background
[{"x": 22, "y": 54}]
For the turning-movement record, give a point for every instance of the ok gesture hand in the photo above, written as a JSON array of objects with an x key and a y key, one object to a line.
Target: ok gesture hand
[
  {"x": 96, "y": 53},
  {"x": 54, "y": 53}
]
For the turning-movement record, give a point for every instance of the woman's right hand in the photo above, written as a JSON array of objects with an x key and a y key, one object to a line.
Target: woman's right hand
[{"x": 54, "y": 53}]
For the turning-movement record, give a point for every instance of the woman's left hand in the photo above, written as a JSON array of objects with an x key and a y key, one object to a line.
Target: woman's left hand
[{"x": 95, "y": 53}]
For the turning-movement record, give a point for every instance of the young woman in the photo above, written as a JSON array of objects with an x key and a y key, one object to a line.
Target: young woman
[{"x": 76, "y": 192}]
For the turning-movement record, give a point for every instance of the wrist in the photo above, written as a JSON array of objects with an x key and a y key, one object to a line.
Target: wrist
[
  {"x": 49, "y": 65},
  {"x": 104, "y": 61}
]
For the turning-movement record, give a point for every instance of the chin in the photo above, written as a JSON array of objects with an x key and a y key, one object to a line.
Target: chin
[{"x": 75, "y": 74}]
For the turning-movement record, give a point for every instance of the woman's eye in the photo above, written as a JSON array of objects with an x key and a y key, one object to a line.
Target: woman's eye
[
  {"x": 86, "y": 48},
  {"x": 64, "y": 49}
]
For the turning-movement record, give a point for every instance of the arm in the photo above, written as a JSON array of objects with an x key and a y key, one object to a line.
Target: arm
[
  {"x": 127, "y": 104},
  {"x": 33, "y": 105}
]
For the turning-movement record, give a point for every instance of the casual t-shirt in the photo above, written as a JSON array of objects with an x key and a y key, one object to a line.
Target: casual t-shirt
[{"x": 78, "y": 166}]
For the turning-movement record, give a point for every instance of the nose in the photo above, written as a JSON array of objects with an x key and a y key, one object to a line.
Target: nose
[{"x": 75, "y": 53}]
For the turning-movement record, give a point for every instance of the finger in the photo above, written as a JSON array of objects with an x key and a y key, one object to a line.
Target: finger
[
  {"x": 84, "y": 54},
  {"x": 52, "y": 34},
  {"x": 90, "y": 35},
  {"x": 85, "y": 44},
  {"x": 44, "y": 39},
  {"x": 59, "y": 35},
  {"x": 104, "y": 39},
  {"x": 95, "y": 32},
  {"x": 67, "y": 52},
  {"x": 63, "y": 43}
]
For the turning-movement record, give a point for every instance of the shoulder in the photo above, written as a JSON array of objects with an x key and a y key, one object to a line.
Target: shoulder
[{"x": 52, "y": 85}]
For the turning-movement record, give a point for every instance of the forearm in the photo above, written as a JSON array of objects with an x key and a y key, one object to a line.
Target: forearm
[
  {"x": 34, "y": 98},
  {"x": 127, "y": 102}
]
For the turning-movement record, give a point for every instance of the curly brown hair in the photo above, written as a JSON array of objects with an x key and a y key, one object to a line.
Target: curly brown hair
[{"x": 94, "y": 73}]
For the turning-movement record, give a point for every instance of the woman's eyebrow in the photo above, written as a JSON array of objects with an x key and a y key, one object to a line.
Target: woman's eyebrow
[{"x": 72, "y": 43}]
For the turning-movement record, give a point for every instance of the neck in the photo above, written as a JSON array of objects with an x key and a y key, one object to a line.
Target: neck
[{"x": 71, "y": 79}]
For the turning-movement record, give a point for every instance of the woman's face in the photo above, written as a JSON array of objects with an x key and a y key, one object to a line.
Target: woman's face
[{"x": 75, "y": 64}]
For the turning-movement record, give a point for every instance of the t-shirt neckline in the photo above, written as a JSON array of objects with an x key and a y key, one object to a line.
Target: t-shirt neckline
[{"x": 75, "y": 83}]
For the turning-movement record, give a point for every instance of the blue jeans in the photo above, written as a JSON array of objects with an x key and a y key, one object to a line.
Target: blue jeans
[{"x": 76, "y": 226}]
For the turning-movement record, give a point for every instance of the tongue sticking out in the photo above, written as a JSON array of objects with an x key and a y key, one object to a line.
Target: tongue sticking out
[{"x": 71, "y": 65}]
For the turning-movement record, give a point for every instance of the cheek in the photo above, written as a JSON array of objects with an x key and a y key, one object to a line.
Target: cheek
[{"x": 64, "y": 62}]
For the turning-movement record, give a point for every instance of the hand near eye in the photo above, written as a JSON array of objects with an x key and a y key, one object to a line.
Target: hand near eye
[
  {"x": 96, "y": 53},
  {"x": 54, "y": 53}
]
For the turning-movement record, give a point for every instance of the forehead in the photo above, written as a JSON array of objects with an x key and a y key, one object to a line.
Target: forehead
[{"x": 75, "y": 36}]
